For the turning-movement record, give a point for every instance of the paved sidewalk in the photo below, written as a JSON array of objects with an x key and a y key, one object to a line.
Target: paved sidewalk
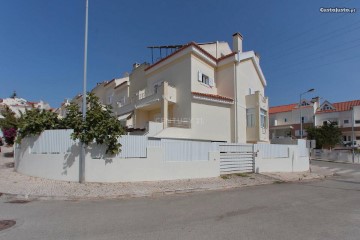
[{"x": 22, "y": 186}]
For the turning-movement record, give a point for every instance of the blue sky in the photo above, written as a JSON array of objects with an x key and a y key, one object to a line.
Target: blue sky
[{"x": 42, "y": 42}]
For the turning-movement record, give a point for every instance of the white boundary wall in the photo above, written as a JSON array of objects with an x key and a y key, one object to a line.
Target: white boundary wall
[
  {"x": 282, "y": 158},
  {"x": 164, "y": 160}
]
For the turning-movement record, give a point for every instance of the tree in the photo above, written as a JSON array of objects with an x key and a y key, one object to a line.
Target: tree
[
  {"x": 326, "y": 136},
  {"x": 35, "y": 121},
  {"x": 99, "y": 126},
  {"x": 9, "y": 125}
]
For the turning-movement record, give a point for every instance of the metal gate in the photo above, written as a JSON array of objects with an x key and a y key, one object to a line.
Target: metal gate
[{"x": 236, "y": 158}]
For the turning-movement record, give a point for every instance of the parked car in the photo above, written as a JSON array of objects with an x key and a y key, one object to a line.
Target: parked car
[{"x": 351, "y": 143}]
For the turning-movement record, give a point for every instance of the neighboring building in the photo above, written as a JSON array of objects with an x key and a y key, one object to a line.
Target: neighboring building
[
  {"x": 201, "y": 91},
  {"x": 345, "y": 114},
  {"x": 285, "y": 119},
  {"x": 18, "y": 105}
]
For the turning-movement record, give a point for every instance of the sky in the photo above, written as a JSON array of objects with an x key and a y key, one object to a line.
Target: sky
[{"x": 42, "y": 43}]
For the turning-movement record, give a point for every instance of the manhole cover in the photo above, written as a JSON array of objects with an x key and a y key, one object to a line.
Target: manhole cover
[
  {"x": 5, "y": 224},
  {"x": 18, "y": 201}
]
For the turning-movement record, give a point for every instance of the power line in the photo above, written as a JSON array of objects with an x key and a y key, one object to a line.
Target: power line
[
  {"x": 323, "y": 65},
  {"x": 316, "y": 41},
  {"x": 311, "y": 58},
  {"x": 307, "y": 31}
]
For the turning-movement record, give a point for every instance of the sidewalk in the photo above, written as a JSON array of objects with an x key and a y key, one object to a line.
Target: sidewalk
[{"x": 22, "y": 186}]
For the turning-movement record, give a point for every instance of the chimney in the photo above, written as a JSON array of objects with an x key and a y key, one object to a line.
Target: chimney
[
  {"x": 237, "y": 42},
  {"x": 257, "y": 57}
]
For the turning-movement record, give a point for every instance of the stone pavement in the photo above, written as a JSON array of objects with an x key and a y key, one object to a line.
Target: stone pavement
[{"x": 22, "y": 186}]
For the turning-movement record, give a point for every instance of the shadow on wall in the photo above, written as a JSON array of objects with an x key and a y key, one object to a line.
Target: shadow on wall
[
  {"x": 70, "y": 157},
  {"x": 25, "y": 145},
  {"x": 99, "y": 152}
]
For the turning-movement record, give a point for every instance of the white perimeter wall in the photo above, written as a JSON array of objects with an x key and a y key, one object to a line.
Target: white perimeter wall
[
  {"x": 159, "y": 164},
  {"x": 282, "y": 158}
]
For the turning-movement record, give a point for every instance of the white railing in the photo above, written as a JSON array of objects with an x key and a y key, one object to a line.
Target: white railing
[{"x": 179, "y": 123}]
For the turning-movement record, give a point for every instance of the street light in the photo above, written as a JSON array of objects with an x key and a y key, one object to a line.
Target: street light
[
  {"x": 82, "y": 145},
  {"x": 301, "y": 123}
]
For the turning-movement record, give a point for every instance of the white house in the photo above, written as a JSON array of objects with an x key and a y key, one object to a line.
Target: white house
[{"x": 285, "y": 119}]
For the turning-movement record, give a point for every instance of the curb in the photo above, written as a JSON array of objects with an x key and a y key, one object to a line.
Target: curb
[
  {"x": 326, "y": 160},
  {"x": 30, "y": 197}
]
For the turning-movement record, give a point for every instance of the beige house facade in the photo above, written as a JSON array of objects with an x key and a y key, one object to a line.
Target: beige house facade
[{"x": 201, "y": 91}]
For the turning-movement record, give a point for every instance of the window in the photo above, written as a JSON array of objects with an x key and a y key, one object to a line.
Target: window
[
  {"x": 250, "y": 117},
  {"x": 285, "y": 120},
  {"x": 349, "y": 138},
  {"x": 346, "y": 121},
  {"x": 357, "y": 137},
  {"x": 263, "y": 118},
  {"x": 357, "y": 121},
  {"x": 302, "y": 119},
  {"x": 250, "y": 91},
  {"x": 344, "y": 138},
  {"x": 205, "y": 79}
]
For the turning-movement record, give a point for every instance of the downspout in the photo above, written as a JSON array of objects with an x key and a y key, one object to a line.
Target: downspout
[{"x": 235, "y": 100}]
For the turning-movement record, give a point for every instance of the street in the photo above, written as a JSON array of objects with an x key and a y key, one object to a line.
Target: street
[{"x": 328, "y": 209}]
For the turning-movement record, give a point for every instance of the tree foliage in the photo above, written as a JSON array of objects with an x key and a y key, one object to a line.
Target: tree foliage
[
  {"x": 9, "y": 125},
  {"x": 326, "y": 136},
  {"x": 35, "y": 121},
  {"x": 100, "y": 126}
]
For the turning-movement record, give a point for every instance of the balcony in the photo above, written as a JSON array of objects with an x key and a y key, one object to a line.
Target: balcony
[{"x": 147, "y": 97}]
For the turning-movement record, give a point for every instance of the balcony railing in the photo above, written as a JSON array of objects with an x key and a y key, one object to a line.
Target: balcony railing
[
  {"x": 145, "y": 97},
  {"x": 178, "y": 123}
]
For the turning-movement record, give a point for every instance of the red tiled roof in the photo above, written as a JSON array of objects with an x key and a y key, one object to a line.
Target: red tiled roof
[
  {"x": 283, "y": 108},
  {"x": 213, "y": 96},
  {"x": 342, "y": 106}
]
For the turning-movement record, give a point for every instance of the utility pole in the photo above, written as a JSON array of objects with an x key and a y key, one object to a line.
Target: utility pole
[
  {"x": 353, "y": 134},
  {"x": 82, "y": 145},
  {"x": 300, "y": 105}
]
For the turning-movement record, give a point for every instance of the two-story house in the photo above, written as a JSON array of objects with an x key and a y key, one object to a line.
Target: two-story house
[
  {"x": 285, "y": 119},
  {"x": 201, "y": 91}
]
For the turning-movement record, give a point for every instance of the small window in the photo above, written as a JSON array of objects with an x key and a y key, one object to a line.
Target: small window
[
  {"x": 346, "y": 121},
  {"x": 357, "y": 121},
  {"x": 205, "y": 79},
  {"x": 285, "y": 119},
  {"x": 263, "y": 118},
  {"x": 357, "y": 137},
  {"x": 344, "y": 138},
  {"x": 250, "y": 117}
]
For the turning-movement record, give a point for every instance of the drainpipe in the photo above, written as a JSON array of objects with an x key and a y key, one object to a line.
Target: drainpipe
[{"x": 235, "y": 100}]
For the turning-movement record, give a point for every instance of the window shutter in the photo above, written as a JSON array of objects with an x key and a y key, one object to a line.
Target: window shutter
[
  {"x": 199, "y": 76},
  {"x": 211, "y": 82}
]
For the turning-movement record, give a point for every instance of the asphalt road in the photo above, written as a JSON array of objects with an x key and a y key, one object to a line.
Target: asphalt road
[{"x": 327, "y": 209}]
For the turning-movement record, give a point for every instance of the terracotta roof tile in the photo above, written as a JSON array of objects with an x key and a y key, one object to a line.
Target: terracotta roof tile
[
  {"x": 283, "y": 108},
  {"x": 342, "y": 106},
  {"x": 213, "y": 96}
]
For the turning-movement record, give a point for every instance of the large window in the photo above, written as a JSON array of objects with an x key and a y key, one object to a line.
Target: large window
[
  {"x": 250, "y": 117},
  {"x": 263, "y": 118}
]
